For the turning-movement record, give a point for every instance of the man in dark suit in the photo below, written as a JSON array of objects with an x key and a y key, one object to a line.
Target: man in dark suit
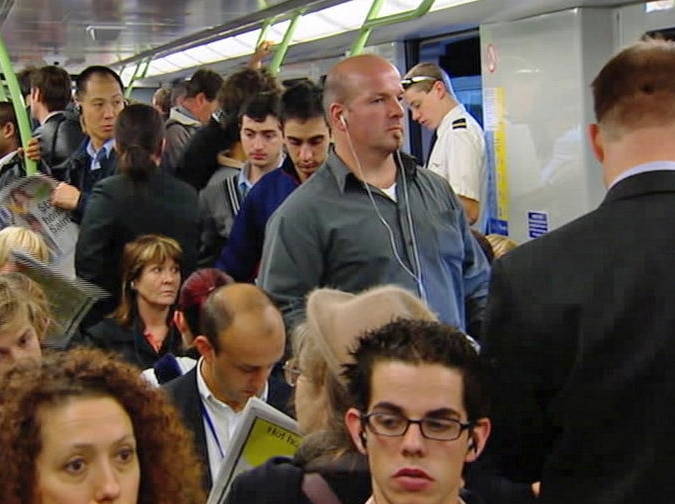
[
  {"x": 242, "y": 338},
  {"x": 580, "y": 326}
]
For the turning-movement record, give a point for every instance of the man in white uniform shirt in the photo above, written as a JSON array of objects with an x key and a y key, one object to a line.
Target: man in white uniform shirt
[
  {"x": 458, "y": 154},
  {"x": 242, "y": 337}
]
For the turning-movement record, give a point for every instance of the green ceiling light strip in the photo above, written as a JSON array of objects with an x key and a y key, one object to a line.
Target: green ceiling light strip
[
  {"x": 281, "y": 49},
  {"x": 17, "y": 100},
  {"x": 372, "y": 21}
]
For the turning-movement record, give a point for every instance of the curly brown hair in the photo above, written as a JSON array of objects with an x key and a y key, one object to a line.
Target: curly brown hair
[{"x": 170, "y": 472}]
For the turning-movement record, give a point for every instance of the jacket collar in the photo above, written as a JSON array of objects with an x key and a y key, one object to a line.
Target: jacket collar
[
  {"x": 662, "y": 181},
  {"x": 344, "y": 176}
]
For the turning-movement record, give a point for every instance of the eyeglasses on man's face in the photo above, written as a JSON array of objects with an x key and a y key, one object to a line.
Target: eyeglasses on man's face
[
  {"x": 409, "y": 81},
  {"x": 395, "y": 424},
  {"x": 292, "y": 372}
]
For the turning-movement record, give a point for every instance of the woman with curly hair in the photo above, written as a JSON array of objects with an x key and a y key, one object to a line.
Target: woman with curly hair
[{"x": 81, "y": 427}]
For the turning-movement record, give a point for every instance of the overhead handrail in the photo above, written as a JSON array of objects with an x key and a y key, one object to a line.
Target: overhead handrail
[
  {"x": 282, "y": 48},
  {"x": 138, "y": 74},
  {"x": 372, "y": 21},
  {"x": 25, "y": 132}
]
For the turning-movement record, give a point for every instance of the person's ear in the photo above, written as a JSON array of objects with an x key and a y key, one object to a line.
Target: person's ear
[
  {"x": 355, "y": 428},
  {"x": 478, "y": 436},
  {"x": 203, "y": 346},
  {"x": 597, "y": 142},
  {"x": 7, "y": 130},
  {"x": 183, "y": 328},
  {"x": 35, "y": 95},
  {"x": 336, "y": 113},
  {"x": 438, "y": 89}
]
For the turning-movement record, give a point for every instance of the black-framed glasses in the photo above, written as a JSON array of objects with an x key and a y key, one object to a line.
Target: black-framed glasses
[
  {"x": 395, "y": 424},
  {"x": 409, "y": 81},
  {"x": 291, "y": 372}
]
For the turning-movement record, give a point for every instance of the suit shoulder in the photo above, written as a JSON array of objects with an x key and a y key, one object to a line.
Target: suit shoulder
[{"x": 179, "y": 386}]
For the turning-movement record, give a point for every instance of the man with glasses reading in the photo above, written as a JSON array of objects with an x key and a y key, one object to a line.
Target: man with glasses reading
[
  {"x": 420, "y": 410},
  {"x": 458, "y": 153}
]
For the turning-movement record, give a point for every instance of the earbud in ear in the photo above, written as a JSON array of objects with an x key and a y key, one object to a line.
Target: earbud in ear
[
  {"x": 364, "y": 441},
  {"x": 132, "y": 285},
  {"x": 343, "y": 120}
]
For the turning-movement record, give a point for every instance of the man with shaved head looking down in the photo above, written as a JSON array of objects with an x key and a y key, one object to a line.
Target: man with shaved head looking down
[
  {"x": 370, "y": 215},
  {"x": 242, "y": 337}
]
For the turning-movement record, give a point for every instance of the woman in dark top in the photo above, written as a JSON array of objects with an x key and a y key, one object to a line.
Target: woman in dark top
[
  {"x": 141, "y": 329},
  {"x": 139, "y": 200}
]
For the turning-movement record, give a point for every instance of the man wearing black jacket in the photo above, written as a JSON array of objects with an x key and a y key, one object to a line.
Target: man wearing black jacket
[{"x": 100, "y": 98}]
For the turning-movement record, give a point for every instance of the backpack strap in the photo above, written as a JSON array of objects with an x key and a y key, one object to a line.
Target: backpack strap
[
  {"x": 317, "y": 490},
  {"x": 232, "y": 194}
]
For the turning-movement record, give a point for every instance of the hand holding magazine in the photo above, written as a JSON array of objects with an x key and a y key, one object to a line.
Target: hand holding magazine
[
  {"x": 264, "y": 432},
  {"x": 26, "y": 202}
]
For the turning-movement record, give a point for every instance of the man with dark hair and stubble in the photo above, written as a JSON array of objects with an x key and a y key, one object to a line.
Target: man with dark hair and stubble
[
  {"x": 579, "y": 326},
  {"x": 420, "y": 411},
  {"x": 220, "y": 201},
  {"x": 306, "y": 137}
]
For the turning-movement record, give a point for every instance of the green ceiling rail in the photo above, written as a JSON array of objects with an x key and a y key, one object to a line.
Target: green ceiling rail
[
  {"x": 281, "y": 49},
  {"x": 140, "y": 72},
  {"x": 263, "y": 32},
  {"x": 19, "y": 106},
  {"x": 372, "y": 21}
]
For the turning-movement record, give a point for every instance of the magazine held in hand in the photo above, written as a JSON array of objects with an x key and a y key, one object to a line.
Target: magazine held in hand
[{"x": 264, "y": 432}]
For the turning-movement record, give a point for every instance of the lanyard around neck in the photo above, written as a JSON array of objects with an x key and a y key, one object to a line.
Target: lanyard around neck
[{"x": 212, "y": 428}]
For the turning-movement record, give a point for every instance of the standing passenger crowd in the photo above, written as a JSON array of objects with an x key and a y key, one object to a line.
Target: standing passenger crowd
[{"x": 256, "y": 240}]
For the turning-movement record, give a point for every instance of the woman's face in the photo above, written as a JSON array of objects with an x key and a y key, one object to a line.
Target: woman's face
[
  {"x": 88, "y": 455},
  {"x": 310, "y": 405},
  {"x": 158, "y": 283}
]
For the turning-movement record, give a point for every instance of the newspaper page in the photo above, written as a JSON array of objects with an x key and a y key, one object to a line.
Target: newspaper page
[
  {"x": 26, "y": 203},
  {"x": 70, "y": 298},
  {"x": 264, "y": 432}
]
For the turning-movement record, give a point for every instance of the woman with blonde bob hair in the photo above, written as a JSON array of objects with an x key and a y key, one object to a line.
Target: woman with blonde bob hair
[
  {"x": 82, "y": 427},
  {"x": 326, "y": 458},
  {"x": 141, "y": 329}
]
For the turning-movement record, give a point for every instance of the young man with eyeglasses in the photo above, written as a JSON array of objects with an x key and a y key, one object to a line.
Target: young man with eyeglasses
[
  {"x": 420, "y": 410},
  {"x": 458, "y": 154}
]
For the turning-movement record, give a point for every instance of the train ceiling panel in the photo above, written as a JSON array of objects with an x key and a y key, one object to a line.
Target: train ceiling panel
[{"x": 77, "y": 33}]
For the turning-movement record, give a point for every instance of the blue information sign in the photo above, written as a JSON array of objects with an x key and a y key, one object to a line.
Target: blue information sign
[{"x": 537, "y": 224}]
